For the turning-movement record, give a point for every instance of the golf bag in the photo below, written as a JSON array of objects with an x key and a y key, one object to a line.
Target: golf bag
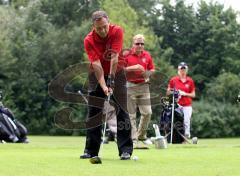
[
  {"x": 166, "y": 118},
  {"x": 11, "y": 130}
]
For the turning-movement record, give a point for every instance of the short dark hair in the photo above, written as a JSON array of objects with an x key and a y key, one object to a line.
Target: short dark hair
[{"x": 97, "y": 15}]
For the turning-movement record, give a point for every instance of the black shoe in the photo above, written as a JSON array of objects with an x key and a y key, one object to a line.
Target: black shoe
[
  {"x": 85, "y": 156},
  {"x": 125, "y": 156}
]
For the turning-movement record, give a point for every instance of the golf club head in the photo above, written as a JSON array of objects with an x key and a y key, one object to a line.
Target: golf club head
[{"x": 95, "y": 160}]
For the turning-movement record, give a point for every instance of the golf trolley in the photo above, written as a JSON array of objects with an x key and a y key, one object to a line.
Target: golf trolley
[{"x": 172, "y": 119}]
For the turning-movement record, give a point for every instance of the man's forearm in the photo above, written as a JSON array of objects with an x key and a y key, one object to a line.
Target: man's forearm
[
  {"x": 136, "y": 67},
  {"x": 131, "y": 68},
  {"x": 192, "y": 94},
  {"x": 99, "y": 73},
  {"x": 113, "y": 64}
]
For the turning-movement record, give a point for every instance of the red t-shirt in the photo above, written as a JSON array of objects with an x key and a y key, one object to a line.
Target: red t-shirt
[
  {"x": 98, "y": 48},
  {"x": 188, "y": 86},
  {"x": 143, "y": 59}
]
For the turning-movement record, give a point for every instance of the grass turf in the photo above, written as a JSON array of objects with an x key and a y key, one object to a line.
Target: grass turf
[{"x": 59, "y": 156}]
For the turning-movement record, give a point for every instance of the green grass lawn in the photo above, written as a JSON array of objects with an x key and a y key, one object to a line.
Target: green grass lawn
[{"x": 58, "y": 156}]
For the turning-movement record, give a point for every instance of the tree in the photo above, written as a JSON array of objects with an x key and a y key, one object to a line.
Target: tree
[
  {"x": 205, "y": 38},
  {"x": 225, "y": 88},
  {"x": 39, "y": 51},
  {"x": 64, "y": 13},
  {"x": 145, "y": 10},
  {"x": 7, "y": 60},
  {"x": 217, "y": 36}
]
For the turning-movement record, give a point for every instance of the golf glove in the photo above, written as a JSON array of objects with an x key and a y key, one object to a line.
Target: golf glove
[{"x": 110, "y": 81}]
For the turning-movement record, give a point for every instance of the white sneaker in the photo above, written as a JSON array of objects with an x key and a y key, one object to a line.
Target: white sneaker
[{"x": 147, "y": 142}]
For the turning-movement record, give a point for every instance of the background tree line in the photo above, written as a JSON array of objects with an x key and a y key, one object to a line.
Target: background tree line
[{"x": 41, "y": 38}]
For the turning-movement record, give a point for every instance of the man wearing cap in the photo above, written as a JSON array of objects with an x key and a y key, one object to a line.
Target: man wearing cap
[
  {"x": 106, "y": 75},
  {"x": 139, "y": 68},
  {"x": 186, "y": 88}
]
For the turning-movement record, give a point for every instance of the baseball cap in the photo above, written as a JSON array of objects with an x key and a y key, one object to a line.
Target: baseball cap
[{"x": 182, "y": 65}]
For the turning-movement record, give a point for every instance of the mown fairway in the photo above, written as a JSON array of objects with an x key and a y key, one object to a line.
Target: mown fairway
[{"x": 59, "y": 156}]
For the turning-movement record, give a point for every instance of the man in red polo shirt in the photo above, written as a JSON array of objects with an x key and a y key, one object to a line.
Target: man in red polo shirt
[
  {"x": 139, "y": 68},
  {"x": 186, "y": 87},
  {"x": 103, "y": 45}
]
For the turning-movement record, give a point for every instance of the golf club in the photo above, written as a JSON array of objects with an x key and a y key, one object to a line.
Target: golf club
[
  {"x": 97, "y": 159},
  {"x": 85, "y": 99},
  {"x": 194, "y": 139},
  {"x": 172, "y": 119}
]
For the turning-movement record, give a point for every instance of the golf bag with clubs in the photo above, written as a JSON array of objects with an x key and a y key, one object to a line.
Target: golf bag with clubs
[
  {"x": 166, "y": 119},
  {"x": 11, "y": 130}
]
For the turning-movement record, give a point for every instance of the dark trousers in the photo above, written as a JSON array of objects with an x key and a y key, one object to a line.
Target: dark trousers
[{"x": 95, "y": 119}]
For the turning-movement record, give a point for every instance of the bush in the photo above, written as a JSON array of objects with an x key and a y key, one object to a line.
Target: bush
[
  {"x": 215, "y": 119},
  {"x": 224, "y": 88}
]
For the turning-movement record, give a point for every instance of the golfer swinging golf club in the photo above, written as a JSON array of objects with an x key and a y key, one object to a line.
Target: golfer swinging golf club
[{"x": 103, "y": 45}]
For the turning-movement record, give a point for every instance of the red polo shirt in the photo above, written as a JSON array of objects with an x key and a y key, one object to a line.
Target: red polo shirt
[
  {"x": 188, "y": 86},
  {"x": 143, "y": 59},
  {"x": 98, "y": 48}
]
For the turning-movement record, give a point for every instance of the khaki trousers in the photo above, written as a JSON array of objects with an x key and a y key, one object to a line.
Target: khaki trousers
[{"x": 139, "y": 97}]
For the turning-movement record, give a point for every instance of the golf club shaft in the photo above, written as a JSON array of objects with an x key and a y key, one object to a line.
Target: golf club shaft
[
  {"x": 184, "y": 137},
  {"x": 85, "y": 99},
  {"x": 172, "y": 119},
  {"x": 105, "y": 124}
]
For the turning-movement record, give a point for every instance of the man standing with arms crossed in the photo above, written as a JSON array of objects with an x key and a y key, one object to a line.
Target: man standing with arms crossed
[
  {"x": 103, "y": 45},
  {"x": 139, "y": 68}
]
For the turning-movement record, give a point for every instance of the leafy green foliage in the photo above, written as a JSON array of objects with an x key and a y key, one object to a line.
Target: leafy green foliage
[
  {"x": 7, "y": 59},
  {"x": 224, "y": 88},
  {"x": 122, "y": 14},
  {"x": 215, "y": 119},
  {"x": 34, "y": 52},
  {"x": 63, "y": 13},
  {"x": 207, "y": 38},
  {"x": 41, "y": 38}
]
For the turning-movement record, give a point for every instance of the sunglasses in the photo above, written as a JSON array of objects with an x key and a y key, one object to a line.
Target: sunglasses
[{"x": 139, "y": 44}]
